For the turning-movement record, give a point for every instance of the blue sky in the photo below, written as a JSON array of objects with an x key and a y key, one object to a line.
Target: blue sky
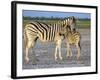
[{"x": 33, "y": 13}]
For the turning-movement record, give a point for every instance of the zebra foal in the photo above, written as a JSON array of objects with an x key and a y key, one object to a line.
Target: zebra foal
[{"x": 73, "y": 37}]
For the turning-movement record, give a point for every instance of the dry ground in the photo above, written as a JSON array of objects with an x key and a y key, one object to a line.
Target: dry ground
[{"x": 42, "y": 55}]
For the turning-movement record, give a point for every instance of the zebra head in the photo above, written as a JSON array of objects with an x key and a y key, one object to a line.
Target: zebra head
[{"x": 70, "y": 21}]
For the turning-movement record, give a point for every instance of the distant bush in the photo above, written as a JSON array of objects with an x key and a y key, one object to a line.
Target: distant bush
[{"x": 50, "y": 18}]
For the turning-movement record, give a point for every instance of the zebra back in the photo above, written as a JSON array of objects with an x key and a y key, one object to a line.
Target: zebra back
[{"x": 46, "y": 32}]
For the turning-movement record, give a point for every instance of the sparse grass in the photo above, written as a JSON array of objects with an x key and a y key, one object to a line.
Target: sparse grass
[{"x": 83, "y": 24}]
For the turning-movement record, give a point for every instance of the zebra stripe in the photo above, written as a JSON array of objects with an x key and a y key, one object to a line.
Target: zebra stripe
[
  {"x": 43, "y": 26},
  {"x": 46, "y": 33}
]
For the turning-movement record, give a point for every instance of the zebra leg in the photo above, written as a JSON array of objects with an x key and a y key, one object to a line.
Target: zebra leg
[
  {"x": 78, "y": 50},
  {"x": 60, "y": 53},
  {"x": 59, "y": 47},
  {"x": 26, "y": 55},
  {"x": 30, "y": 43},
  {"x": 28, "y": 46},
  {"x": 56, "y": 53},
  {"x": 69, "y": 52}
]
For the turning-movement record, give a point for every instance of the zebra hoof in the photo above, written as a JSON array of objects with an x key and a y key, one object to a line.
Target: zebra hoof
[
  {"x": 55, "y": 58},
  {"x": 78, "y": 57},
  {"x": 61, "y": 58},
  {"x": 26, "y": 60},
  {"x": 70, "y": 57},
  {"x": 67, "y": 56}
]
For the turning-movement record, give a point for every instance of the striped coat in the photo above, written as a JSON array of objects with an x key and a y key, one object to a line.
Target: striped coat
[
  {"x": 73, "y": 37},
  {"x": 45, "y": 33}
]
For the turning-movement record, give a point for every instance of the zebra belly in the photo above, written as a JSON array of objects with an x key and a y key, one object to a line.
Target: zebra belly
[{"x": 46, "y": 40}]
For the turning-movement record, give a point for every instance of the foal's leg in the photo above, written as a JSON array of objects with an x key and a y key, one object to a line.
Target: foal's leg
[
  {"x": 69, "y": 52},
  {"x": 78, "y": 50}
]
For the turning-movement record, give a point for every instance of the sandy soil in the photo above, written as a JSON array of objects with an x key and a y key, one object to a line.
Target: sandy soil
[{"x": 42, "y": 55}]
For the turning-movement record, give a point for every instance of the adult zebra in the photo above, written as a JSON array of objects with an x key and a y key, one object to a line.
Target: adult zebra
[{"x": 46, "y": 33}]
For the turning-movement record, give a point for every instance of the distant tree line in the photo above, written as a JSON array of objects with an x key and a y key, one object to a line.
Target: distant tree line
[
  {"x": 42, "y": 18},
  {"x": 49, "y": 18}
]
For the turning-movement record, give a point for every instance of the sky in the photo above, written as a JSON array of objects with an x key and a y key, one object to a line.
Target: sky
[{"x": 33, "y": 13}]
